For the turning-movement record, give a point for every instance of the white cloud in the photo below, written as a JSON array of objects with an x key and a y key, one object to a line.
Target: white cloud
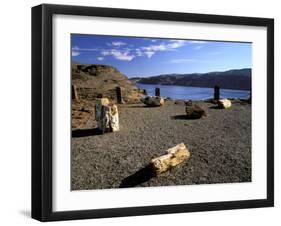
[
  {"x": 75, "y": 53},
  {"x": 172, "y": 44},
  {"x": 149, "y": 39},
  {"x": 120, "y": 52},
  {"x": 197, "y": 42},
  {"x": 176, "y": 44},
  {"x": 106, "y": 52},
  {"x": 139, "y": 52},
  {"x": 160, "y": 47},
  {"x": 118, "y": 43},
  {"x": 149, "y": 54},
  {"x": 117, "y": 54},
  {"x": 179, "y": 61},
  {"x": 76, "y": 48},
  {"x": 150, "y": 50}
]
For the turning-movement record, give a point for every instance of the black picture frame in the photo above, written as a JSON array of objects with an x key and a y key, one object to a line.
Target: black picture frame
[{"x": 42, "y": 111}]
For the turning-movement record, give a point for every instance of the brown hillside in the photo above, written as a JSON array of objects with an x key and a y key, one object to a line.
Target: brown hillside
[{"x": 95, "y": 79}]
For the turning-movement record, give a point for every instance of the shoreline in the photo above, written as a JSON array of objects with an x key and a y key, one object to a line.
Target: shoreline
[
  {"x": 176, "y": 92},
  {"x": 206, "y": 87}
]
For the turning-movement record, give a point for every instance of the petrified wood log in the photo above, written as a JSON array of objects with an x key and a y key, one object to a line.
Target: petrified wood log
[
  {"x": 114, "y": 118},
  {"x": 224, "y": 103},
  {"x": 106, "y": 116},
  {"x": 193, "y": 111},
  {"x": 98, "y": 108},
  {"x": 153, "y": 101},
  {"x": 174, "y": 156}
]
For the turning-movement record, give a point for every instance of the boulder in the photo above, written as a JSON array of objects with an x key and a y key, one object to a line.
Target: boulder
[
  {"x": 173, "y": 157},
  {"x": 188, "y": 103},
  {"x": 193, "y": 111},
  {"x": 106, "y": 116},
  {"x": 224, "y": 103},
  {"x": 153, "y": 101},
  {"x": 179, "y": 102}
]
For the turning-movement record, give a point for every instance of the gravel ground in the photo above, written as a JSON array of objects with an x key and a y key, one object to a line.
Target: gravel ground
[{"x": 220, "y": 147}]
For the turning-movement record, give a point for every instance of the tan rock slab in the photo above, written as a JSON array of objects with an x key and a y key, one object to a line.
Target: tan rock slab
[
  {"x": 224, "y": 103},
  {"x": 174, "y": 157}
]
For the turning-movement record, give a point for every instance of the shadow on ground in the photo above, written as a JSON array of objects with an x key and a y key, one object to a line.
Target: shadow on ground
[
  {"x": 214, "y": 107},
  {"x": 183, "y": 117},
  {"x": 139, "y": 177},
  {"x": 85, "y": 132},
  {"x": 142, "y": 106}
]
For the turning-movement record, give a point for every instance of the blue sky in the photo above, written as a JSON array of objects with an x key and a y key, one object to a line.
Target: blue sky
[{"x": 153, "y": 56}]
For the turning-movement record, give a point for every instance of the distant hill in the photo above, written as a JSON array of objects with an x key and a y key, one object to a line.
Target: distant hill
[
  {"x": 94, "y": 79},
  {"x": 233, "y": 79}
]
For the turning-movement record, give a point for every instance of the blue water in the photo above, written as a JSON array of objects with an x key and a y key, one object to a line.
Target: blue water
[{"x": 192, "y": 93}]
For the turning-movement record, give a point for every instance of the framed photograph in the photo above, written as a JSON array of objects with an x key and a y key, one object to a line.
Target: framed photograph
[{"x": 145, "y": 112}]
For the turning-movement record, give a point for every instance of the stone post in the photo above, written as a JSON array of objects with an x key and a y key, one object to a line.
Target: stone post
[
  {"x": 250, "y": 98},
  {"x": 99, "y": 95},
  {"x": 216, "y": 93},
  {"x": 74, "y": 92},
  {"x": 118, "y": 95},
  {"x": 78, "y": 68},
  {"x": 144, "y": 92},
  {"x": 157, "y": 91}
]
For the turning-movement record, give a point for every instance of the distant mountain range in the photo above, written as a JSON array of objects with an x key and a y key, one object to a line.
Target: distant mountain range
[{"x": 239, "y": 79}]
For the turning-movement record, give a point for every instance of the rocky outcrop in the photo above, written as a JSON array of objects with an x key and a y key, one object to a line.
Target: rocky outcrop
[
  {"x": 94, "y": 80},
  {"x": 153, "y": 101},
  {"x": 94, "y": 69}
]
